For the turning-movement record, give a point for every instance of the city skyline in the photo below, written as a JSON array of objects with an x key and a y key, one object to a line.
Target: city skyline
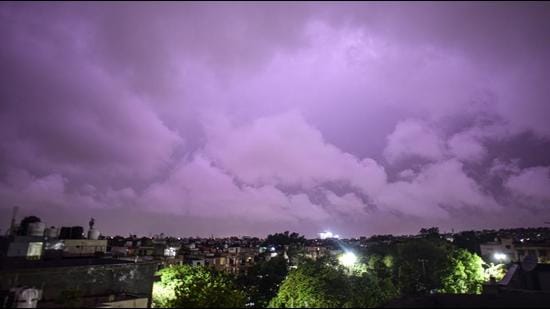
[{"x": 248, "y": 119}]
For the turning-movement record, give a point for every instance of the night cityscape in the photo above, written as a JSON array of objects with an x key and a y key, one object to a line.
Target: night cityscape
[{"x": 274, "y": 154}]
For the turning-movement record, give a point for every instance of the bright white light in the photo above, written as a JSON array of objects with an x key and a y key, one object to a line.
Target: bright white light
[
  {"x": 348, "y": 259},
  {"x": 328, "y": 234},
  {"x": 499, "y": 256},
  {"x": 170, "y": 251}
]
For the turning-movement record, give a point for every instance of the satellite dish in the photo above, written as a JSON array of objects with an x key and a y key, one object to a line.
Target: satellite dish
[{"x": 529, "y": 263}]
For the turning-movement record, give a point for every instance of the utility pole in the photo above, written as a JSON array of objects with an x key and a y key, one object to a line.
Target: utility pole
[
  {"x": 13, "y": 218},
  {"x": 423, "y": 261}
]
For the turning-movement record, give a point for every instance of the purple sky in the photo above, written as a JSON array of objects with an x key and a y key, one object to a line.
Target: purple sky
[{"x": 242, "y": 119}]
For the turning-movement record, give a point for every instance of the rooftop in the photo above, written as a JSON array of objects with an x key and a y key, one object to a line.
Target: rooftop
[{"x": 16, "y": 264}]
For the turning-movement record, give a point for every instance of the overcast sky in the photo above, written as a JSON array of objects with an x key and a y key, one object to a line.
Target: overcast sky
[{"x": 247, "y": 119}]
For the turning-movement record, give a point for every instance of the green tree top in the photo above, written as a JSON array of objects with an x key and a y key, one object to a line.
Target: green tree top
[
  {"x": 313, "y": 285},
  {"x": 192, "y": 287},
  {"x": 323, "y": 284},
  {"x": 464, "y": 273}
]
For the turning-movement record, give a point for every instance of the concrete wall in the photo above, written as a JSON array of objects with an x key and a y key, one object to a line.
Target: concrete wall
[
  {"x": 76, "y": 247},
  {"x": 86, "y": 280}
]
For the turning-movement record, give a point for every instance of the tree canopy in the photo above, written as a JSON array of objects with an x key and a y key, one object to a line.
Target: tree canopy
[
  {"x": 263, "y": 279},
  {"x": 284, "y": 239},
  {"x": 192, "y": 287},
  {"x": 464, "y": 273},
  {"x": 313, "y": 285},
  {"x": 419, "y": 265},
  {"x": 322, "y": 284},
  {"x": 434, "y": 265},
  {"x": 380, "y": 273},
  {"x": 24, "y": 225}
]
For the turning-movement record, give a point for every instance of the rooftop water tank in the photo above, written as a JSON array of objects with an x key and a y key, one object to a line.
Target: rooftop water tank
[
  {"x": 93, "y": 234},
  {"x": 52, "y": 232}
]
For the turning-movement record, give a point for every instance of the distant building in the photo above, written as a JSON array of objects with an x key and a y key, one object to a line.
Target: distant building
[
  {"x": 541, "y": 251},
  {"x": 501, "y": 250},
  {"x": 29, "y": 247},
  {"x": 315, "y": 252},
  {"x": 83, "y": 247},
  {"x": 507, "y": 250}
]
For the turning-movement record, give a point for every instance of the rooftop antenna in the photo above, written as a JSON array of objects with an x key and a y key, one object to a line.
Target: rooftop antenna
[{"x": 13, "y": 217}]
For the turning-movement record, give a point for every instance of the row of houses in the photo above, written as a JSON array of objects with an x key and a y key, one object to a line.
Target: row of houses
[{"x": 516, "y": 250}]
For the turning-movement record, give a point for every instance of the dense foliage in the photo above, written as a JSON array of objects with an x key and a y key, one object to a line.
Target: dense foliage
[
  {"x": 464, "y": 273},
  {"x": 195, "y": 287},
  {"x": 284, "y": 239},
  {"x": 322, "y": 284},
  {"x": 428, "y": 265},
  {"x": 313, "y": 285},
  {"x": 262, "y": 281}
]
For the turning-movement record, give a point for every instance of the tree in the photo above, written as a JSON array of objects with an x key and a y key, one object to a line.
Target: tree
[
  {"x": 381, "y": 265},
  {"x": 325, "y": 284},
  {"x": 467, "y": 240},
  {"x": 187, "y": 286},
  {"x": 313, "y": 285},
  {"x": 496, "y": 272},
  {"x": 419, "y": 264},
  {"x": 432, "y": 232},
  {"x": 24, "y": 225},
  {"x": 263, "y": 279},
  {"x": 284, "y": 239},
  {"x": 463, "y": 274},
  {"x": 293, "y": 243},
  {"x": 434, "y": 265},
  {"x": 369, "y": 291}
]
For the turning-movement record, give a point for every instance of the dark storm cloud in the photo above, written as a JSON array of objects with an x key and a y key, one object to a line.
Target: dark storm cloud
[{"x": 351, "y": 116}]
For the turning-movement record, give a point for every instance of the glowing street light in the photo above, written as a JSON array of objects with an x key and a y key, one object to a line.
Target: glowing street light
[
  {"x": 348, "y": 259},
  {"x": 500, "y": 256}
]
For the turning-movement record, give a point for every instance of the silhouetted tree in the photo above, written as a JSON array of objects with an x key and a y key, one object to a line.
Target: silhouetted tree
[
  {"x": 432, "y": 232},
  {"x": 24, "y": 225},
  {"x": 262, "y": 281}
]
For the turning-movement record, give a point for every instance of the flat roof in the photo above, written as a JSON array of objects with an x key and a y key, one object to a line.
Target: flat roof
[{"x": 8, "y": 264}]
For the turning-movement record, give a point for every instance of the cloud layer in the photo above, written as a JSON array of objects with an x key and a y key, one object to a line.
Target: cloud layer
[{"x": 365, "y": 118}]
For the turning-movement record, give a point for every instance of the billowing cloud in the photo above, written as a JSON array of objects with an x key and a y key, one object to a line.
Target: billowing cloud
[
  {"x": 466, "y": 147},
  {"x": 200, "y": 189},
  {"x": 436, "y": 189},
  {"x": 293, "y": 116},
  {"x": 285, "y": 149},
  {"x": 412, "y": 138},
  {"x": 348, "y": 204},
  {"x": 22, "y": 188},
  {"x": 531, "y": 186}
]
